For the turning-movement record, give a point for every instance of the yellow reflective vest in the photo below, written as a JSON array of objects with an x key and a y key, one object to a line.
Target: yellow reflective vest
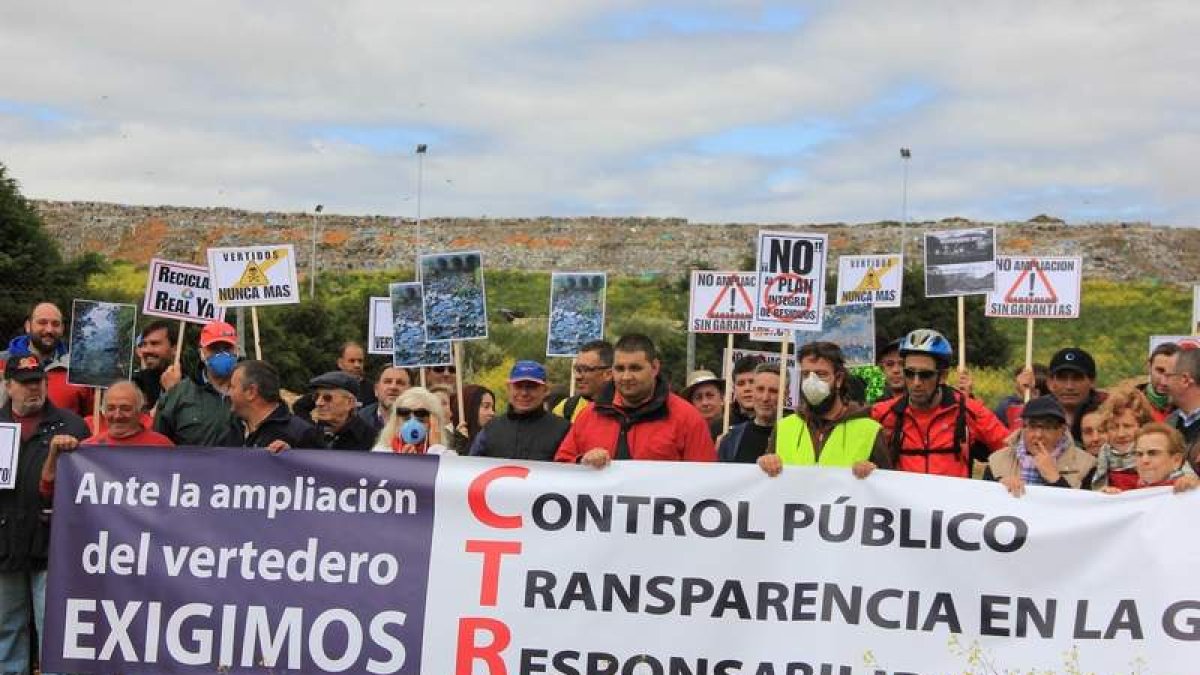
[{"x": 850, "y": 441}]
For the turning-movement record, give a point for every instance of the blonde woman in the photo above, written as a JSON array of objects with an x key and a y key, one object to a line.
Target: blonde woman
[{"x": 421, "y": 405}]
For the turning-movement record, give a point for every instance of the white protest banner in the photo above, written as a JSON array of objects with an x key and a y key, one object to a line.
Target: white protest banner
[
  {"x": 721, "y": 302},
  {"x": 379, "y": 325},
  {"x": 731, "y": 357},
  {"x": 251, "y": 276},
  {"x": 180, "y": 291},
  {"x": 791, "y": 281},
  {"x": 960, "y": 262},
  {"x": 870, "y": 279},
  {"x": 1036, "y": 287},
  {"x": 442, "y": 566},
  {"x": 1188, "y": 341},
  {"x": 1196, "y": 309},
  {"x": 10, "y": 452}
]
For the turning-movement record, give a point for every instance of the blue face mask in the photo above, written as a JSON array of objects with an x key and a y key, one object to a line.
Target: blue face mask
[
  {"x": 221, "y": 364},
  {"x": 412, "y": 431}
]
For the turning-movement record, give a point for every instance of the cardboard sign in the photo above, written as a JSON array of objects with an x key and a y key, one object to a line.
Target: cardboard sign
[
  {"x": 249, "y": 276},
  {"x": 180, "y": 291},
  {"x": 791, "y": 281},
  {"x": 10, "y": 451},
  {"x": 576, "y": 311},
  {"x": 870, "y": 279},
  {"x": 454, "y": 301},
  {"x": 1196, "y": 309},
  {"x": 1189, "y": 341},
  {"x": 379, "y": 325},
  {"x": 851, "y": 327},
  {"x": 409, "y": 347},
  {"x": 1038, "y": 287},
  {"x": 960, "y": 262},
  {"x": 102, "y": 342},
  {"x": 793, "y": 382},
  {"x": 721, "y": 302}
]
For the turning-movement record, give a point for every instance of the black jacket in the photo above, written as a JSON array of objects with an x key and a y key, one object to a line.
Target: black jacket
[
  {"x": 281, "y": 424},
  {"x": 357, "y": 434},
  {"x": 24, "y": 532},
  {"x": 534, "y": 435}
]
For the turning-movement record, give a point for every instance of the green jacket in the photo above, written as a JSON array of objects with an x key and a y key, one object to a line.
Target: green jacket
[{"x": 194, "y": 413}]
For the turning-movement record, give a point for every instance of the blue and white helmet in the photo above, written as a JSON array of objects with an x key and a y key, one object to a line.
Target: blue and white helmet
[{"x": 927, "y": 342}]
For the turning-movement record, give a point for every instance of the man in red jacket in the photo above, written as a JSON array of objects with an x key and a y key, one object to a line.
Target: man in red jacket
[
  {"x": 43, "y": 338},
  {"x": 636, "y": 416},
  {"x": 933, "y": 428}
]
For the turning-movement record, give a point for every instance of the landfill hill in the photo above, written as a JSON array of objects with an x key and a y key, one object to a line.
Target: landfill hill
[{"x": 624, "y": 246}]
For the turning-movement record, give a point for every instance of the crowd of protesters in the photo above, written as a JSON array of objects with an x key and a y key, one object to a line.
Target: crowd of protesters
[{"x": 1057, "y": 429}]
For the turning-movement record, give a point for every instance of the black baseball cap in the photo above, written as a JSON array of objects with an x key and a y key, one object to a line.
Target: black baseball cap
[
  {"x": 26, "y": 368},
  {"x": 1073, "y": 358}
]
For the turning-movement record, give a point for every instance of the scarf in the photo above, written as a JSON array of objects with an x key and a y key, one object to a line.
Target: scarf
[
  {"x": 1029, "y": 472},
  {"x": 1159, "y": 401}
]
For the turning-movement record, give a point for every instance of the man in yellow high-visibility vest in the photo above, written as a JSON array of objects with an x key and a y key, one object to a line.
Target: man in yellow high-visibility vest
[{"x": 827, "y": 429}]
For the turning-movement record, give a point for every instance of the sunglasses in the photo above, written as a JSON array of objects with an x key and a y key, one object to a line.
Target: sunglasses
[
  {"x": 327, "y": 396},
  {"x": 442, "y": 369},
  {"x": 914, "y": 374},
  {"x": 419, "y": 413}
]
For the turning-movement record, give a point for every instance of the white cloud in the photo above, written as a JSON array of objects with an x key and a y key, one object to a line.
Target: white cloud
[{"x": 1072, "y": 108}]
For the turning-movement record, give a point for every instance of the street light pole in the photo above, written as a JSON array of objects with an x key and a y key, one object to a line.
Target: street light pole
[
  {"x": 905, "y": 156},
  {"x": 312, "y": 263},
  {"x": 421, "y": 149}
]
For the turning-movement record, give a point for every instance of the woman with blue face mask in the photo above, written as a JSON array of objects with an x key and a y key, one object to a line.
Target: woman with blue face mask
[{"x": 415, "y": 425}]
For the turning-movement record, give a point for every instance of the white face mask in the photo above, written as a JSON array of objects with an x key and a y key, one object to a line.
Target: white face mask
[{"x": 815, "y": 389}]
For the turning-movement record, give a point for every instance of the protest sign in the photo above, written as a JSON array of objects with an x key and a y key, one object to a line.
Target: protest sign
[
  {"x": 851, "y": 327},
  {"x": 312, "y": 561},
  {"x": 180, "y": 291},
  {"x": 791, "y": 281},
  {"x": 721, "y": 302},
  {"x": 10, "y": 454},
  {"x": 379, "y": 326},
  {"x": 250, "y": 276},
  {"x": 1196, "y": 309},
  {"x": 1036, "y": 287},
  {"x": 960, "y": 262},
  {"x": 576, "y": 311},
  {"x": 1188, "y": 341},
  {"x": 731, "y": 356},
  {"x": 455, "y": 304},
  {"x": 408, "y": 330},
  {"x": 870, "y": 279},
  {"x": 102, "y": 339}
]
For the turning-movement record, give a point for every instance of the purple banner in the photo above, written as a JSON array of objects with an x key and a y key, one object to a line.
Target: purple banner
[{"x": 229, "y": 560}]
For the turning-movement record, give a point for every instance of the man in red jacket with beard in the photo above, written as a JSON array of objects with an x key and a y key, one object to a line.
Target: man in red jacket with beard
[{"x": 636, "y": 416}]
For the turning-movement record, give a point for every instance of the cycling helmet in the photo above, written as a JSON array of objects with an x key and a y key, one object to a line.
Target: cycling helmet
[{"x": 927, "y": 342}]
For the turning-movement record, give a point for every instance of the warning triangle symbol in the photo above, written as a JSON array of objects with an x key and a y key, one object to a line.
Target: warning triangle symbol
[
  {"x": 253, "y": 276},
  {"x": 733, "y": 302},
  {"x": 870, "y": 281},
  {"x": 1031, "y": 288}
]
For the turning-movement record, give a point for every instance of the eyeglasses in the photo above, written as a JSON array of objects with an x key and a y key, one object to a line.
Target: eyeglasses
[
  {"x": 419, "y": 413},
  {"x": 914, "y": 374},
  {"x": 328, "y": 396},
  {"x": 587, "y": 370},
  {"x": 442, "y": 369}
]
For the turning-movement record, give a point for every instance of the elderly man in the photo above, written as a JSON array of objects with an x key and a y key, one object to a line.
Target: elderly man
[
  {"x": 526, "y": 430},
  {"x": 24, "y": 534},
  {"x": 336, "y": 396},
  {"x": 392, "y": 382},
  {"x": 43, "y": 339},
  {"x": 196, "y": 410},
  {"x": 265, "y": 418}
]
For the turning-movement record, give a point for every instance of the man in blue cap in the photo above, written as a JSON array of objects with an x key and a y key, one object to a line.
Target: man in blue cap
[{"x": 526, "y": 430}]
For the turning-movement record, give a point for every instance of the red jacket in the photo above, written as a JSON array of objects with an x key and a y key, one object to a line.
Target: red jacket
[
  {"x": 665, "y": 428},
  {"x": 927, "y": 441}
]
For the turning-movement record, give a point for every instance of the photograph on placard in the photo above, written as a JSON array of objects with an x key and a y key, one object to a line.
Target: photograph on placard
[
  {"x": 409, "y": 348},
  {"x": 576, "y": 311},
  {"x": 851, "y": 327},
  {"x": 960, "y": 262},
  {"x": 454, "y": 301},
  {"x": 102, "y": 342}
]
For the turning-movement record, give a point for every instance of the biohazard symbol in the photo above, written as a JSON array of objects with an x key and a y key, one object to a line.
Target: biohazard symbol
[
  {"x": 871, "y": 280},
  {"x": 730, "y": 309},
  {"x": 256, "y": 270},
  {"x": 1031, "y": 288}
]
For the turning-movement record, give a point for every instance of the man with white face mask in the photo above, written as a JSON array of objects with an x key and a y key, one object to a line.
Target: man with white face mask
[{"x": 827, "y": 430}]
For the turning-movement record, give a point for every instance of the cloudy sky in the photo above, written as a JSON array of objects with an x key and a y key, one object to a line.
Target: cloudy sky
[{"x": 713, "y": 111}]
